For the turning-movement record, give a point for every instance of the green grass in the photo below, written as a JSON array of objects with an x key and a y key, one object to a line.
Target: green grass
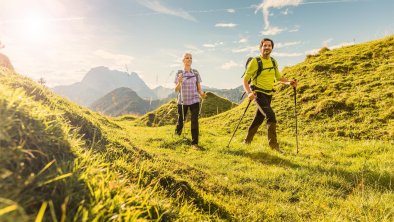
[{"x": 61, "y": 162}]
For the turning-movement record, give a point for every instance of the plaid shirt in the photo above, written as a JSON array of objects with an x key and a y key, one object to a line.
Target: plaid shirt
[{"x": 189, "y": 87}]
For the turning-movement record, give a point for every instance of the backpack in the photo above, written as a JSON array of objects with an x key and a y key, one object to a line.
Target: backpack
[
  {"x": 260, "y": 69},
  {"x": 260, "y": 66},
  {"x": 194, "y": 71}
]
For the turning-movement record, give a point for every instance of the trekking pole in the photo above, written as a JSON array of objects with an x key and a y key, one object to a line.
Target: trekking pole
[
  {"x": 183, "y": 113},
  {"x": 242, "y": 96},
  {"x": 295, "y": 115},
  {"x": 239, "y": 123},
  {"x": 202, "y": 101}
]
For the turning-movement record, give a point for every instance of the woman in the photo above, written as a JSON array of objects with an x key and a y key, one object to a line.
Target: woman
[{"x": 188, "y": 84}]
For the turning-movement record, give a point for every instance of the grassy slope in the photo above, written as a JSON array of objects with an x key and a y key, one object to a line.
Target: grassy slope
[
  {"x": 119, "y": 171},
  {"x": 76, "y": 164},
  {"x": 345, "y": 92}
]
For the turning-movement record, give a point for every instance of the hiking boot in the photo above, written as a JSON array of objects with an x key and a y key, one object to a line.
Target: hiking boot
[
  {"x": 272, "y": 141},
  {"x": 195, "y": 147},
  {"x": 249, "y": 137}
]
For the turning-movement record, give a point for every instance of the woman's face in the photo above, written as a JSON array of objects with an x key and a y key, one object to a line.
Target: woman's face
[{"x": 187, "y": 59}]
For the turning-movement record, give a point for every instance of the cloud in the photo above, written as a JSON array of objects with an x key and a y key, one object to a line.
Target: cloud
[
  {"x": 212, "y": 45},
  {"x": 272, "y": 31},
  {"x": 265, "y": 7},
  {"x": 243, "y": 40},
  {"x": 249, "y": 49},
  {"x": 285, "y": 54},
  {"x": 286, "y": 44},
  {"x": 226, "y": 25},
  {"x": 295, "y": 29},
  {"x": 156, "y": 6},
  {"x": 267, "y": 4},
  {"x": 230, "y": 10},
  {"x": 316, "y": 51},
  {"x": 230, "y": 64},
  {"x": 118, "y": 59},
  {"x": 325, "y": 42}
]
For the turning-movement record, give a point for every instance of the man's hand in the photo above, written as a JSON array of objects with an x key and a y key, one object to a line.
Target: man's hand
[
  {"x": 293, "y": 83},
  {"x": 203, "y": 95},
  {"x": 251, "y": 96}
]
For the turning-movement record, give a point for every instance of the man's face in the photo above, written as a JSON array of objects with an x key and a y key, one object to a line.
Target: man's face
[{"x": 266, "y": 48}]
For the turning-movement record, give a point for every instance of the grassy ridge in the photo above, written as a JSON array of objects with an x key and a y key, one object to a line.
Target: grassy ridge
[
  {"x": 71, "y": 164},
  {"x": 345, "y": 92}
]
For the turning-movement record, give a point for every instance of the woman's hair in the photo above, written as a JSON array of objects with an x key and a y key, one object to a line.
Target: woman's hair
[
  {"x": 186, "y": 54},
  {"x": 266, "y": 39}
]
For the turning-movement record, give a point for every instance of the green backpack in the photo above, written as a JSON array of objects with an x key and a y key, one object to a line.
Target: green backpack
[{"x": 260, "y": 69}]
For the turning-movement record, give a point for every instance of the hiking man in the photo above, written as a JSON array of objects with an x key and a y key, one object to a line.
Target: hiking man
[
  {"x": 188, "y": 84},
  {"x": 261, "y": 91}
]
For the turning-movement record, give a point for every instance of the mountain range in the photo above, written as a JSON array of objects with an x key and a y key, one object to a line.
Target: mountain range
[
  {"x": 115, "y": 93},
  {"x": 100, "y": 81}
]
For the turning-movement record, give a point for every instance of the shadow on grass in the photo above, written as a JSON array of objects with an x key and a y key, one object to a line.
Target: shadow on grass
[{"x": 268, "y": 159}]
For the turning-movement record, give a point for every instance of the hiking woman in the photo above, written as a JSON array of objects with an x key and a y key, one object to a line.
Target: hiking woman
[{"x": 188, "y": 84}]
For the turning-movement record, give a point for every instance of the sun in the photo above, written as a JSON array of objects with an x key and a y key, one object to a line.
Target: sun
[{"x": 37, "y": 28}]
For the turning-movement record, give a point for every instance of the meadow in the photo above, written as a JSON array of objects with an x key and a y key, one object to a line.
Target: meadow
[{"x": 62, "y": 162}]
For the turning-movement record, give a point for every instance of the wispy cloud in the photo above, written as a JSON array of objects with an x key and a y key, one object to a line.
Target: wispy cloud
[
  {"x": 231, "y": 10},
  {"x": 156, "y": 6},
  {"x": 230, "y": 64},
  {"x": 267, "y": 4},
  {"x": 325, "y": 42},
  {"x": 272, "y": 30},
  {"x": 212, "y": 45},
  {"x": 118, "y": 59},
  {"x": 226, "y": 25},
  {"x": 340, "y": 45},
  {"x": 285, "y": 54},
  {"x": 286, "y": 44},
  {"x": 295, "y": 29},
  {"x": 242, "y": 40},
  {"x": 249, "y": 49}
]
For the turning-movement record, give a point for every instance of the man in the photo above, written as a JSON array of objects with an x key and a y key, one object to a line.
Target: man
[
  {"x": 261, "y": 91},
  {"x": 188, "y": 84}
]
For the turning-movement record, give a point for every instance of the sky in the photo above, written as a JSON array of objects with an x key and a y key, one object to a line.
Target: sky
[{"x": 61, "y": 40}]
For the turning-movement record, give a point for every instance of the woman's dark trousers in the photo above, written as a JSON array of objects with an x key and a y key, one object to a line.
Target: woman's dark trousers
[{"x": 194, "y": 109}]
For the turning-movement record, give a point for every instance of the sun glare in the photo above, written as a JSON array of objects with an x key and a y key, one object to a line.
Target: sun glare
[{"x": 37, "y": 28}]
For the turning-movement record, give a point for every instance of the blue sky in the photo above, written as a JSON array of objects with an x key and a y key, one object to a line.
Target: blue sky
[{"x": 61, "y": 40}]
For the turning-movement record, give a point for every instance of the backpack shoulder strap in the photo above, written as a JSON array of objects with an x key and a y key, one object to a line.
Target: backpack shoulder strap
[
  {"x": 274, "y": 63},
  {"x": 196, "y": 74},
  {"x": 259, "y": 68}
]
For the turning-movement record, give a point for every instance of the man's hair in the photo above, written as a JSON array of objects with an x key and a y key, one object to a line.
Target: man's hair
[{"x": 266, "y": 39}]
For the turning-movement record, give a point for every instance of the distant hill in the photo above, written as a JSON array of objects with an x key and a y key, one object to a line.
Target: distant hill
[
  {"x": 99, "y": 81},
  {"x": 233, "y": 95},
  {"x": 167, "y": 114},
  {"x": 123, "y": 101},
  {"x": 345, "y": 92}
]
